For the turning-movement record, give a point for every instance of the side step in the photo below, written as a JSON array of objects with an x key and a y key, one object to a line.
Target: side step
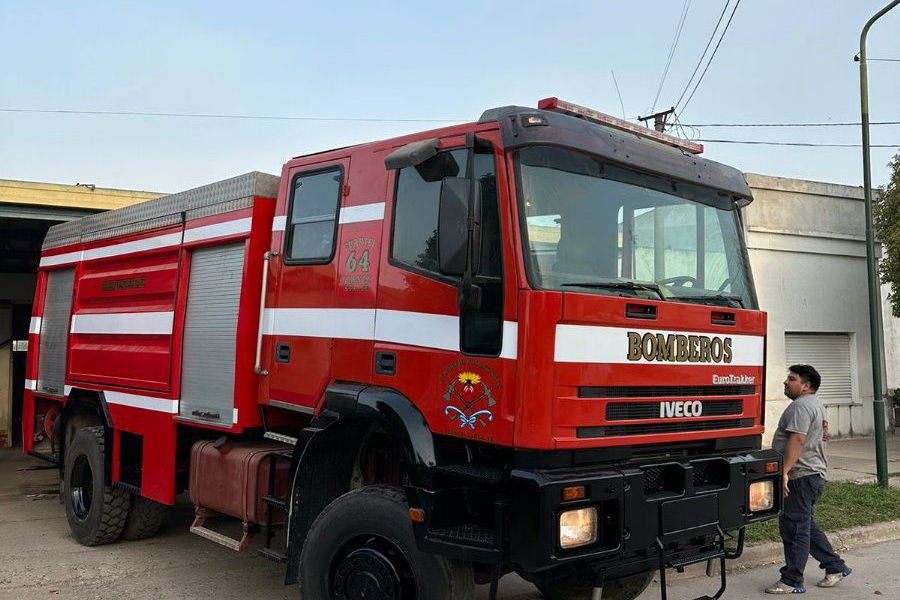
[{"x": 198, "y": 528}]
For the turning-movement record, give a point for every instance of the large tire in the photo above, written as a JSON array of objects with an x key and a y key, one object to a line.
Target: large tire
[
  {"x": 144, "y": 519},
  {"x": 626, "y": 588},
  {"x": 362, "y": 546},
  {"x": 96, "y": 512}
]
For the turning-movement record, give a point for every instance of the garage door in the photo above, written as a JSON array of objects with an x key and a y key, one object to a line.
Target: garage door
[{"x": 829, "y": 353}]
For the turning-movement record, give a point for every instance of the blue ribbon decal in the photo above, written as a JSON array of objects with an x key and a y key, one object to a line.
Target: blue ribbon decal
[{"x": 469, "y": 420}]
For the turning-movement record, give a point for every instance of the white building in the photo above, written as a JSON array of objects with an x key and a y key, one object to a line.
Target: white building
[{"x": 806, "y": 243}]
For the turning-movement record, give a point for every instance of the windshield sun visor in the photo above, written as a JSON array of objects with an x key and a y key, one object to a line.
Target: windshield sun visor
[{"x": 628, "y": 150}]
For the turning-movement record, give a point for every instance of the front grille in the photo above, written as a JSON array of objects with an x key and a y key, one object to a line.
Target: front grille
[
  {"x": 660, "y": 391},
  {"x": 621, "y": 411},
  {"x": 654, "y": 428}
]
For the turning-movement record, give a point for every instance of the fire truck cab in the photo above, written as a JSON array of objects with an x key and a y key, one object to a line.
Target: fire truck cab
[{"x": 529, "y": 343}]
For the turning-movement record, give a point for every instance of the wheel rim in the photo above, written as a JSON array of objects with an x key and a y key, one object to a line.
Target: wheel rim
[
  {"x": 372, "y": 568},
  {"x": 82, "y": 487}
]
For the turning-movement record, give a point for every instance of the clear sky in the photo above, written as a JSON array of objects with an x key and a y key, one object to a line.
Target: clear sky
[{"x": 781, "y": 61}]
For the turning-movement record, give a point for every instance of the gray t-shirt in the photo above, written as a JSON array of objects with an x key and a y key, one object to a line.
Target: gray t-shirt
[{"x": 805, "y": 415}]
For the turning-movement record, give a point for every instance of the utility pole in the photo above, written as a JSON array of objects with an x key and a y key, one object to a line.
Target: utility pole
[
  {"x": 660, "y": 119},
  {"x": 874, "y": 289}
]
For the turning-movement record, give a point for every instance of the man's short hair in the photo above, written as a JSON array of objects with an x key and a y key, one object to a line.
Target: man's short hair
[{"x": 808, "y": 374}]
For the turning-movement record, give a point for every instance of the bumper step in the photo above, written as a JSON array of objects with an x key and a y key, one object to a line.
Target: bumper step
[{"x": 464, "y": 534}]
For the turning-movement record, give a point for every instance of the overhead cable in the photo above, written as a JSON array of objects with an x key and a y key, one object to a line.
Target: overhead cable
[
  {"x": 127, "y": 113},
  {"x": 711, "y": 56},
  {"x": 703, "y": 55},
  {"x": 678, "y": 28}
]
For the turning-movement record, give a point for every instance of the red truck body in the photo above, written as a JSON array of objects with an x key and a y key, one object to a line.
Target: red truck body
[{"x": 194, "y": 322}]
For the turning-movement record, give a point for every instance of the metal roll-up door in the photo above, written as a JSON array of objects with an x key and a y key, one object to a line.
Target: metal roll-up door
[
  {"x": 210, "y": 334},
  {"x": 55, "y": 331},
  {"x": 829, "y": 353}
]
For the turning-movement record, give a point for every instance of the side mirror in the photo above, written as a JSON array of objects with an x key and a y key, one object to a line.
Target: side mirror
[{"x": 453, "y": 226}]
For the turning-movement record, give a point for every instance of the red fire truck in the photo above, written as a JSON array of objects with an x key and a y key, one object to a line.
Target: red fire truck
[{"x": 526, "y": 344}]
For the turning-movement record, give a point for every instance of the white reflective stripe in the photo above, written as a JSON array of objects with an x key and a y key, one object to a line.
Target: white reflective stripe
[
  {"x": 148, "y": 323},
  {"x": 234, "y": 416},
  {"x": 350, "y": 323},
  {"x": 67, "y": 389},
  {"x": 152, "y": 243},
  {"x": 510, "y": 347},
  {"x": 35, "y": 325},
  {"x": 609, "y": 345},
  {"x": 146, "y": 402},
  {"x": 60, "y": 259},
  {"x": 363, "y": 212},
  {"x": 349, "y": 214},
  {"x": 418, "y": 329},
  {"x": 217, "y": 230},
  {"x": 30, "y": 384},
  {"x": 396, "y": 326}
]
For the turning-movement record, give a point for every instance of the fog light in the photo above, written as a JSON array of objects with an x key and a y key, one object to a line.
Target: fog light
[
  {"x": 762, "y": 495},
  {"x": 578, "y": 527}
]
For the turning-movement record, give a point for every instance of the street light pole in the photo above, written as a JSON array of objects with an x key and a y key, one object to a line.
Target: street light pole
[{"x": 874, "y": 289}]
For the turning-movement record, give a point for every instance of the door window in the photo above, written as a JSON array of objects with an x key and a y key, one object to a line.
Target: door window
[{"x": 312, "y": 223}]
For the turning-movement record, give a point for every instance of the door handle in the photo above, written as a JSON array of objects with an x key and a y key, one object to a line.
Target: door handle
[
  {"x": 283, "y": 352},
  {"x": 386, "y": 363}
]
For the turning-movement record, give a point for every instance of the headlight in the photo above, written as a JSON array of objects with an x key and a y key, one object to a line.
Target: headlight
[
  {"x": 578, "y": 527},
  {"x": 762, "y": 495}
]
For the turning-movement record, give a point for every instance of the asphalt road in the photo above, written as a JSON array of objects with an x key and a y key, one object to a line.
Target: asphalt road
[{"x": 39, "y": 560}]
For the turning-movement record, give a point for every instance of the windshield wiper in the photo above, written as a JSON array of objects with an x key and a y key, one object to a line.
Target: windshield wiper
[
  {"x": 617, "y": 285},
  {"x": 725, "y": 297}
]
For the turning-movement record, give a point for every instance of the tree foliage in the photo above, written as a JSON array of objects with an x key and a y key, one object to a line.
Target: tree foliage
[{"x": 887, "y": 228}]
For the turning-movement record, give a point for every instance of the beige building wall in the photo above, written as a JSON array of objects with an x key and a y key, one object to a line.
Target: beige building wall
[{"x": 806, "y": 242}]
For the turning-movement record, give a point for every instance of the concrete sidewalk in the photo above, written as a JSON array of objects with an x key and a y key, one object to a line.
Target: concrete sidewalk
[{"x": 853, "y": 459}]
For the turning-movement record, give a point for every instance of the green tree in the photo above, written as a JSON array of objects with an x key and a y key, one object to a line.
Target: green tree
[{"x": 887, "y": 228}]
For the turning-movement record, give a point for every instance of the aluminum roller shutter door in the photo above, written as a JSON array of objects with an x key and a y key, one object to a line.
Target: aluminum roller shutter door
[
  {"x": 210, "y": 334},
  {"x": 829, "y": 353},
  {"x": 55, "y": 331}
]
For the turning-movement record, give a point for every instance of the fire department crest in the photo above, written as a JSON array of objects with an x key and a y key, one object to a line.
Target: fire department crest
[{"x": 468, "y": 399}]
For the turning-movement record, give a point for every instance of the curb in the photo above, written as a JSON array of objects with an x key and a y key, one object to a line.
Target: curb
[{"x": 771, "y": 553}]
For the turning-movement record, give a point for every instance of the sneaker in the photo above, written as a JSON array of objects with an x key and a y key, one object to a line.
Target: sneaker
[
  {"x": 832, "y": 579},
  {"x": 780, "y": 587}
]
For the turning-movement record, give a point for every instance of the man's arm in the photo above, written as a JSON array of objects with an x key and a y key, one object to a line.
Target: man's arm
[{"x": 792, "y": 450}]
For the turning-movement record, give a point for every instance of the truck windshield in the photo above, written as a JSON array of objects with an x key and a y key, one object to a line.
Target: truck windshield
[{"x": 598, "y": 228}]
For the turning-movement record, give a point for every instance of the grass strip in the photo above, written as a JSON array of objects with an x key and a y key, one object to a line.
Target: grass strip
[{"x": 844, "y": 504}]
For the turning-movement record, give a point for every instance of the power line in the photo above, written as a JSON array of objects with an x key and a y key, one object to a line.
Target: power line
[
  {"x": 618, "y": 93},
  {"x": 711, "y": 56},
  {"x": 803, "y": 144},
  {"x": 826, "y": 124},
  {"x": 703, "y": 55},
  {"x": 126, "y": 113},
  {"x": 883, "y": 59},
  {"x": 678, "y": 28}
]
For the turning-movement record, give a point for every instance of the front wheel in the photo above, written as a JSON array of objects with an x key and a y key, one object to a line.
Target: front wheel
[
  {"x": 362, "y": 547},
  {"x": 96, "y": 512},
  {"x": 626, "y": 588}
]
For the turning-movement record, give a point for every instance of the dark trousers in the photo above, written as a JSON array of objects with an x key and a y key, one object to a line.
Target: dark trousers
[{"x": 801, "y": 535}]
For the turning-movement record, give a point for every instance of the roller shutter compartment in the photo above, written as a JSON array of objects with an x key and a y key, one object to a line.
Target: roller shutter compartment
[
  {"x": 55, "y": 332},
  {"x": 210, "y": 334}
]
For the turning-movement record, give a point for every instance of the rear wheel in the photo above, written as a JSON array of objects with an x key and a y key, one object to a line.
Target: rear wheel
[
  {"x": 361, "y": 547},
  {"x": 626, "y": 588},
  {"x": 96, "y": 512},
  {"x": 144, "y": 519}
]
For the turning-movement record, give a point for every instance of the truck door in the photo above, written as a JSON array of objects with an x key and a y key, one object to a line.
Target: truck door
[
  {"x": 454, "y": 366},
  {"x": 297, "y": 322}
]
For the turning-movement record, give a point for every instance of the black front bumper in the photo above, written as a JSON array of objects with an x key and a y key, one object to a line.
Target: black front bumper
[{"x": 677, "y": 508}]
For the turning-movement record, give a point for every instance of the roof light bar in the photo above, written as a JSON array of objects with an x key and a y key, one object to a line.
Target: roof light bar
[{"x": 561, "y": 106}]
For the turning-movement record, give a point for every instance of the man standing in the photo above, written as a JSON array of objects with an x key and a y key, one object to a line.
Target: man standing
[{"x": 800, "y": 440}]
